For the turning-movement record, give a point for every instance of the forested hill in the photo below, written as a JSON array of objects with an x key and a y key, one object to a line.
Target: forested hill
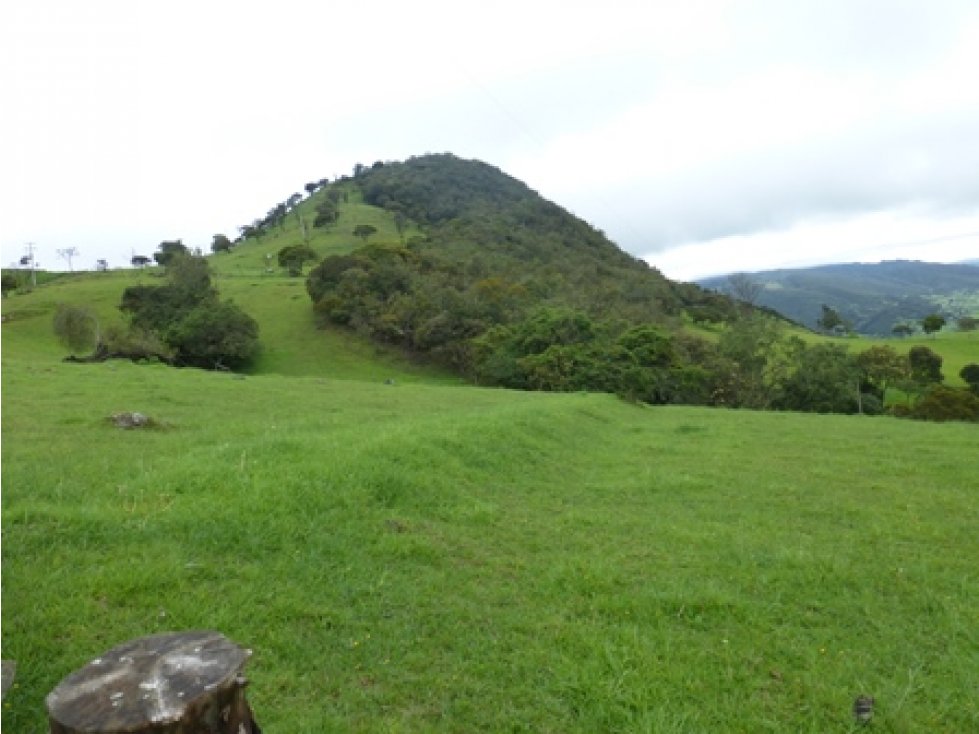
[
  {"x": 871, "y": 297},
  {"x": 498, "y": 274},
  {"x": 492, "y": 225}
]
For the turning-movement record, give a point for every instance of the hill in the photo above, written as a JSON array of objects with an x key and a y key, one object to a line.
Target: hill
[
  {"x": 404, "y": 552},
  {"x": 872, "y": 297}
]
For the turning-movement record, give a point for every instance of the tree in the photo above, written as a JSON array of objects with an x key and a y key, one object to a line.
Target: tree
[
  {"x": 967, "y": 323},
  {"x": 902, "y": 329},
  {"x": 970, "y": 373},
  {"x": 186, "y": 315},
  {"x": 168, "y": 250},
  {"x": 140, "y": 261},
  {"x": 67, "y": 254},
  {"x": 401, "y": 224},
  {"x": 77, "y": 327},
  {"x": 826, "y": 380},
  {"x": 215, "y": 336},
  {"x": 9, "y": 282},
  {"x": 925, "y": 366},
  {"x": 311, "y": 187},
  {"x": 326, "y": 213},
  {"x": 943, "y": 403},
  {"x": 932, "y": 323},
  {"x": 830, "y": 321},
  {"x": 744, "y": 288},
  {"x": 882, "y": 366},
  {"x": 364, "y": 231},
  {"x": 221, "y": 244},
  {"x": 294, "y": 200},
  {"x": 293, "y": 257}
]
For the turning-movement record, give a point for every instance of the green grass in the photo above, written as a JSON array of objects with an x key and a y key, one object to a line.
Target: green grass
[
  {"x": 413, "y": 557},
  {"x": 424, "y": 556}
]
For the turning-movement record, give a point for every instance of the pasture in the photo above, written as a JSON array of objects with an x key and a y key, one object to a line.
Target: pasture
[{"x": 419, "y": 556}]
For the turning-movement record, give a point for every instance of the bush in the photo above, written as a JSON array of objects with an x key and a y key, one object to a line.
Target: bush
[
  {"x": 942, "y": 403},
  {"x": 215, "y": 336},
  {"x": 77, "y": 327}
]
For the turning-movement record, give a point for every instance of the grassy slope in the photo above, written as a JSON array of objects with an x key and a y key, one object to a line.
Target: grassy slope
[{"x": 417, "y": 557}]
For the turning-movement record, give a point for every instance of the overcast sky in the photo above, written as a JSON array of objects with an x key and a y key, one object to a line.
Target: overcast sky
[{"x": 706, "y": 137}]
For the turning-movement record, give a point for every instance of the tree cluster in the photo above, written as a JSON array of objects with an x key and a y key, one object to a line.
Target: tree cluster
[{"x": 186, "y": 316}]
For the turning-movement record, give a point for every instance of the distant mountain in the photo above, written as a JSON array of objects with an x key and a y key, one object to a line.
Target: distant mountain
[{"x": 872, "y": 297}]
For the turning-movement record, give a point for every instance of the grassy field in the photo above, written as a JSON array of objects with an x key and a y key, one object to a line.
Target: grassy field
[{"x": 421, "y": 556}]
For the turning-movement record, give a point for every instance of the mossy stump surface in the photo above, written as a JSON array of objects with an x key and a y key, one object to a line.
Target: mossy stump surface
[{"x": 176, "y": 683}]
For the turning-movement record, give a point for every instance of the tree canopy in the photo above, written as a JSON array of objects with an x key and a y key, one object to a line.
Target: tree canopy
[{"x": 188, "y": 317}]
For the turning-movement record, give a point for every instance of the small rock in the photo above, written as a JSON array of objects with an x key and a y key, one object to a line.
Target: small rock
[
  {"x": 131, "y": 420},
  {"x": 8, "y": 669},
  {"x": 863, "y": 709}
]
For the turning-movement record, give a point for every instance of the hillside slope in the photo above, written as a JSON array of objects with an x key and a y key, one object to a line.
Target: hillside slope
[{"x": 873, "y": 297}]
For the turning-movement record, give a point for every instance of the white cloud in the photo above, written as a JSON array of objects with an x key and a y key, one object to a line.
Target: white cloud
[{"x": 662, "y": 123}]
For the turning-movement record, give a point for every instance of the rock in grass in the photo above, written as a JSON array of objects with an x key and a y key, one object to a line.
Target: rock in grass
[
  {"x": 175, "y": 683},
  {"x": 131, "y": 420},
  {"x": 8, "y": 669},
  {"x": 863, "y": 709}
]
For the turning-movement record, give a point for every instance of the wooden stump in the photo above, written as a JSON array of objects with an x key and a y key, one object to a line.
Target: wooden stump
[{"x": 179, "y": 683}]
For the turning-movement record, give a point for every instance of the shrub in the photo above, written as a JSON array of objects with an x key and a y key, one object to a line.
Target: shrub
[
  {"x": 77, "y": 327},
  {"x": 942, "y": 403}
]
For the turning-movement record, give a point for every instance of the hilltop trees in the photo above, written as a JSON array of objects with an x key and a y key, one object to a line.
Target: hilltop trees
[
  {"x": 221, "y": 243},
  {"x": 169, "y": 250}
]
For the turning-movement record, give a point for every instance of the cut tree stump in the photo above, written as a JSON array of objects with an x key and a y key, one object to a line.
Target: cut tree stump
[{"x": 177, "y": 683}]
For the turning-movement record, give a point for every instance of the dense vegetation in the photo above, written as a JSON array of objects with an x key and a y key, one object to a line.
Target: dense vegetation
[
  {"x": 187, "y": 316},
  {"x": 510, "y": 290}
]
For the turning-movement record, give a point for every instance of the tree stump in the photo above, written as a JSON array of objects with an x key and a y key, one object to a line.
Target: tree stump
[{"x": 178, "y": 683}]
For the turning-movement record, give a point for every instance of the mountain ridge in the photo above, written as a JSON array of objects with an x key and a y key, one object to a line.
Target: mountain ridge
[{"x": 873, "y": 297}]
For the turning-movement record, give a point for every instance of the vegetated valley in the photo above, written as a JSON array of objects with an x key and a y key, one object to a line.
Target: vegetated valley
[{"x": 405, "y": 550}]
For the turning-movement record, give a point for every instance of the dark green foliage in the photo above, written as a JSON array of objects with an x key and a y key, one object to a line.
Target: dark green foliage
[
  {"x": 364, "y": 231},
  {"x": 293, "y": 257},
  {"x": 925, "y": 366},
  {"x": 970, "y": 373},
  {"x": 214, "y": 336},
  {"x": 943, "y": 403},
  {"x": 9, "y": 282},
  {"x": 902, "y": 329},
  {"x": 824, "y": 379},
  {"x": 77, "y": 328},
  {"x": 881, "y": 366},
  {"x": 745, "y": 357},
  {"x": 326, "y": 211},
  {"x": 932, "y": 323},
  {"x": 830, "y": 321},
  {"x": 186, "y": 316},
  {"x": 169, "y": 250},
  {"x": 967, "y": 323},
  {"x": 221, "y": 244}
]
